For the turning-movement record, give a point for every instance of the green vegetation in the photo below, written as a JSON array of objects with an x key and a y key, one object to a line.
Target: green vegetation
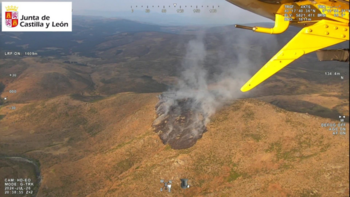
[
  {"x": 288, "y": 155},
  {"x": 93, "y": 110},
  {"x": 237, "y": 106},
  {"x": 304, "y": 143},
  {"x": 70, "y": 140},
  {"x": 185, "y": 151},
  {"x": 112, "y": 190},
  {"x": 325, "y": 147},
  {"x": 78, "y": 120},
  {"x": 201, "y": 182},
  {"x": 294, "y": 123},
  {"x": 255, "y": 136},
  {"x": 93, "y": 129},
  {"x": 276, "y": 146},
  {"x": 143, "y": 136},
  {"x": 233, "y": 175},
  {"x": 123, "y": 166},
  {"x": 285, "y": 155},
  {"x": 167, "y": 147},
  {"x": 90, "y": 99},
  {"x": 286, "y": 166},
  {"x": 28, "y": 108},
  {"x": 307, "y": 156},
  {"x": 319, "y": 109},
  {"x": 249, "y": 114}
]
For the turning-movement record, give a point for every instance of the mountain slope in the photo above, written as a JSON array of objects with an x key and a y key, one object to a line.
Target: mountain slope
[{"x": 107, "y": 148}]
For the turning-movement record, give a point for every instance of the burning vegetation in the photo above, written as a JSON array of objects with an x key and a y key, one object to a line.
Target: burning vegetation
[{"x": 180, "y": 121}]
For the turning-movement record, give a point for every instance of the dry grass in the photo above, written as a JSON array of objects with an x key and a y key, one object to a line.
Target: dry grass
[{"x": 243, "y": 153}]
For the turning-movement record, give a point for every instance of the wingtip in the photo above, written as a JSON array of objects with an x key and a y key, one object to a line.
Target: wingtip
[{"x": 245, "y": 88}]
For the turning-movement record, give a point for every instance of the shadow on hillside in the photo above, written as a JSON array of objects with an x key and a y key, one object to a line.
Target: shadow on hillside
[
  {"x": 310, "y": 108},
  {"x": 86, "y": 98}
]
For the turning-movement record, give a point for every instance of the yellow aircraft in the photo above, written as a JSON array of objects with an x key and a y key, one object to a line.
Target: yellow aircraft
[{"x": 324, "y": 23}]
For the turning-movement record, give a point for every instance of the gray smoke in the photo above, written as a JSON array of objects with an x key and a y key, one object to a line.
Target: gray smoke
[{"x": 184, "y": 110}]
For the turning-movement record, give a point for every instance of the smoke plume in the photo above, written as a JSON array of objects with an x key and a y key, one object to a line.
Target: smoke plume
[{"x": 184, "y": 110}]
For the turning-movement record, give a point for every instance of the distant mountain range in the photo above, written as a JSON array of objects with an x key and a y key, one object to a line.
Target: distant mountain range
[{"x": 168, "y": 19}]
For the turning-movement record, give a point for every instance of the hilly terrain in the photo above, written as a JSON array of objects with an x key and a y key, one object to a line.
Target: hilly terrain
[
  {"x": 107, "y": 148},
  {"x": 85, "y": 105}
]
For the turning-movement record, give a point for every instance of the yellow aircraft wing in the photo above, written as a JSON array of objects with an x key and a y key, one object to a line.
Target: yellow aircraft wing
[{"x": 324, "y": 23}]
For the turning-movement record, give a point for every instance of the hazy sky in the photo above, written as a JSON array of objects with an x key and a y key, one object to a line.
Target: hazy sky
[{"x": 227, "y": 13}]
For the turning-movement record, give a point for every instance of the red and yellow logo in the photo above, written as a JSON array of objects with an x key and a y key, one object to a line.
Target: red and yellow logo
[{"x": 11, "y": 16}]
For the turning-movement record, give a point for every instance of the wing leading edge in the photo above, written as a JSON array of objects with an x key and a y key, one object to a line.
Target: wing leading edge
[{"x": 324, "y": 28}]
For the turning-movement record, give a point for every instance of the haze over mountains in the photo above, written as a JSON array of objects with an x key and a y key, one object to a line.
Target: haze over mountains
[
  {"x": 226, "y": 13},
  {"x": 86, "y": 103}
]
